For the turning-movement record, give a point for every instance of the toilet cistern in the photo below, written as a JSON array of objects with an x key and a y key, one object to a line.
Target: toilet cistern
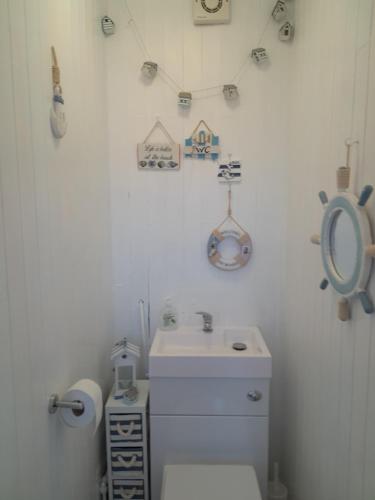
[{"x": 207, "y": 321}]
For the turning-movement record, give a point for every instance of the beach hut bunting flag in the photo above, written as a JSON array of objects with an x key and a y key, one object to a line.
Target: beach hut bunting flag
[{"x": 203, "y": 144}]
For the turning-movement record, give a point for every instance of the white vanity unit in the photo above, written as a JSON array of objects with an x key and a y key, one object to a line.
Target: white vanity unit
[{"x": 209, "y": 403}]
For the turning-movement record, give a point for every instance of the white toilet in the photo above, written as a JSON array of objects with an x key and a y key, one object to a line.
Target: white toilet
[{"x": 210, "y": 482}]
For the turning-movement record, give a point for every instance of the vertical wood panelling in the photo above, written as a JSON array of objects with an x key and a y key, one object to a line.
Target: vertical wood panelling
[
  {"x": 161, "y": 221},
  {"x": 328, "y": 366},
  {"x": 54, "y": 245}
]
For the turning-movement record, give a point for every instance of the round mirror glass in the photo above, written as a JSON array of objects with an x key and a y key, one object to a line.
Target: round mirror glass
[{"x": 343, "y": 245}]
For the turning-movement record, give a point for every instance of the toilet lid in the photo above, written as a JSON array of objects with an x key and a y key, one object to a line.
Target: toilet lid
[{"x": 210, "y": 482}]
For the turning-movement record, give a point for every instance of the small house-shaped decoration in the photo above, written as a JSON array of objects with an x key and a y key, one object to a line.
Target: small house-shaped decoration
[
  {"x": 259, "y": 55},
  {"x": 149, "y": 69},
  {"x": 230, "y": 92},
  {"x": 280, "y": 11},
  {"x": 202, "y": 144},
  {"x": 286, "y": 32},
  {"x": 184, "y": 99},
  {"x": 124, "y": 357},
  {"x": 108, "y": 26}
]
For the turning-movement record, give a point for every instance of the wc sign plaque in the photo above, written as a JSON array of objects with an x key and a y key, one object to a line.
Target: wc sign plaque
[
  {"x": 158, "y": 155},
  {"x": 203, "y": 144}
]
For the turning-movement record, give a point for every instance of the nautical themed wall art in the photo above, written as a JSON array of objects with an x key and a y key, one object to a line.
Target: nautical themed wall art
[
  {"x": 211, "y": 11},
  {"x": 229, "y": 231},
  {"x": 184, "y": 99},
  {"x": 259, "y": 55},
  {"x": 280, "y": 11},
  {"x": 159, "y": 155},
  {"x": 57, "y": 115},
  {"x": 286, "y": 32},
  {"x": 347, "y": 247},
  {"x": 230, "y": 172},
  {"x": 203, "y": 144},
  {"x": 149, "y": 69},
  {"x": 108, "y": 26},
  {"x": 230, "y": 92}
]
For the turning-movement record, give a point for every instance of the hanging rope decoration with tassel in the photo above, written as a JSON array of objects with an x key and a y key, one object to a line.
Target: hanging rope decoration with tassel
[
  {"x": 57, "y": 114},
  {"x": 229, "y": 228}
]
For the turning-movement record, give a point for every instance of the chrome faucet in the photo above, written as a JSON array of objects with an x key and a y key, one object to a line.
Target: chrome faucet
[{"x": 207, "y": 321}]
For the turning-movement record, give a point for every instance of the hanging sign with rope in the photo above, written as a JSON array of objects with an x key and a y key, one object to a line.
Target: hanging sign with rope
[
  {"x": 203, "y": 144},
  {"x": 158, "y": 155}
]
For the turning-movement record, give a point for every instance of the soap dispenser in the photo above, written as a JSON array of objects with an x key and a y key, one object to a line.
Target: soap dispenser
[{"x": 168, "y": 316}]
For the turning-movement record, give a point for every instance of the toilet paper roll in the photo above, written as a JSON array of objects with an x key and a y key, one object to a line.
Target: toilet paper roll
[{"x": 90, "y": 394}]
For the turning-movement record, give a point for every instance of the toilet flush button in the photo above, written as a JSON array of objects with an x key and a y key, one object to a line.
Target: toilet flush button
[{"x": 254, "y": 396}]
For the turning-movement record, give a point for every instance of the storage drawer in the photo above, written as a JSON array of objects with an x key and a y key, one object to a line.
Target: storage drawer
[
  {"x": 125, "y": 428},
  {"x": 127, "y": 461},
  {"x": 209, "y": 396},
  {"x": 128, "y": 489}
]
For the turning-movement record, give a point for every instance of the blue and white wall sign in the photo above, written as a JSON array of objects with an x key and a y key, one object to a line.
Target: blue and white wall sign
[{"x": 202, "y": 144}]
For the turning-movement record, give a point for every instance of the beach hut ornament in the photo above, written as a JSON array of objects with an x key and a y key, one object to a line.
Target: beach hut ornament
[
  {"x": 158, "y": 155},
  {"x": 125, "y": 358},
  {"x": 185, "y": 99},
  {"x": 108, "y": 26},
  {"x": 230, "y": 92},
  {"x": 149, "y": 70},
  {"x": 230, "y": 172},
  {"x": 203, "y": 144},
  {"x": 57, "y": 114},
  {"x": 259, "y": 55},
  {"x": 280, "y": 11},
  {"x": 286, "y": 32}
]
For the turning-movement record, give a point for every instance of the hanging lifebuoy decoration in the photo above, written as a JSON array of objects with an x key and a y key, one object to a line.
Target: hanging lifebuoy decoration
[
  {"x": 229, "y": 229},
  {"x": 244, "y": 249}
]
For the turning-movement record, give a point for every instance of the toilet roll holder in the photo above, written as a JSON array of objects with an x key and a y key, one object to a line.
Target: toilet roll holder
[{"x": 54, "y": 404}]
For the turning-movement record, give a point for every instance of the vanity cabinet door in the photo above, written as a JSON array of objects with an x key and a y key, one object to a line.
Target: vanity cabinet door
[
  {"x": 209, "y": 396},
  {"x": 208, "y": 440}
]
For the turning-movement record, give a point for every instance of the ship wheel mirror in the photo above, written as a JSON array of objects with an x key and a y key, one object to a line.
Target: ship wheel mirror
[{"x": 346, "y": 243}]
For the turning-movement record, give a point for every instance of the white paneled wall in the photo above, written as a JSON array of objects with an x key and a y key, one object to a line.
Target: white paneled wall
[
  {"x": 54, "y": 245},
  {"x": 329, "y": 439},
  {"x": 162, "y": 220}
]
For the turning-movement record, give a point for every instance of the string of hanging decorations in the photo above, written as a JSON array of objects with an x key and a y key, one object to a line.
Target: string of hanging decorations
[{"x": 150, "y": 69}]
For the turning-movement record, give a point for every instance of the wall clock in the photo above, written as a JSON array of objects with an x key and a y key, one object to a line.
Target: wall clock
[{"x": 211, "y": 11}]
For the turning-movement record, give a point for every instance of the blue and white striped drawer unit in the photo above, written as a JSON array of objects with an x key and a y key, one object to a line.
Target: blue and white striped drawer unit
[
  {"x": 128, "y": 489},
  {"x": 127, "y": 461},
  {"x": 126, "y": 428},
  {"x": 127, "y": 446}
]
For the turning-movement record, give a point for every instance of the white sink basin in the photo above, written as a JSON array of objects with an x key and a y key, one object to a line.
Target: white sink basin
[{"x": 190, "y": 352}]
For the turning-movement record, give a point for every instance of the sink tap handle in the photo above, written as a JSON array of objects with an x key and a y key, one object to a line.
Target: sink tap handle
[
  {"x": 207, "y": 320},
  {"x": 206, "y": 315}
]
